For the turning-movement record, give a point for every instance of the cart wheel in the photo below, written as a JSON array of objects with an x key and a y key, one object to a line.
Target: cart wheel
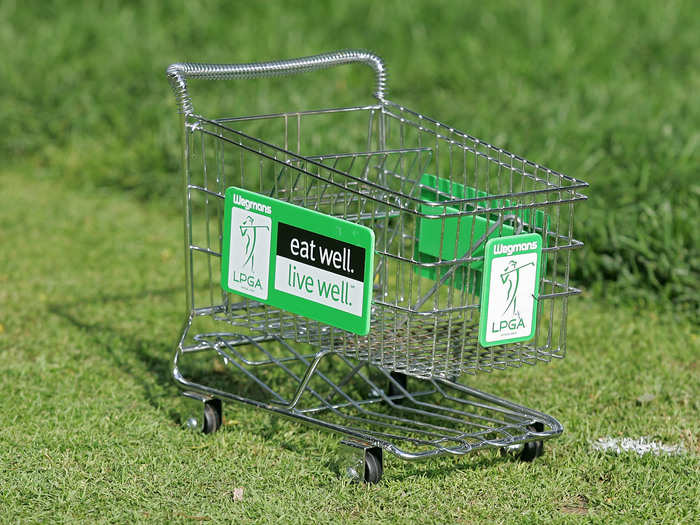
[
  {"x": 373, "y": 465},
  {"x": 529, "y": 451},
  {"x": 533, "y": 449},
  {"x": 212, "y": 419},
  {"x": 212, "y": 415}
]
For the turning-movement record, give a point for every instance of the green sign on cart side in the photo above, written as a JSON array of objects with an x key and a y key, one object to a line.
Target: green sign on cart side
[
  {"x": 298, "y": 260},
  {"x": 510, "y": 289}
]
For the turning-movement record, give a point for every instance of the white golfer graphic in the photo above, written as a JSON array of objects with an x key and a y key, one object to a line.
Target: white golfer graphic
[
  {"x": 249, "y": 233},
  {"x": 511, "y": 275}
]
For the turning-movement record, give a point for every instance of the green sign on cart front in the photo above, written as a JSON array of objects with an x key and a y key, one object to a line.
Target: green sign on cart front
[
  {"x": 509, "y": 289},
  {"x": 298, "y": 260}
]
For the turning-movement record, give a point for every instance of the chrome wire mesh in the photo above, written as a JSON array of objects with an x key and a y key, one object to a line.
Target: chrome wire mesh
[
  {"x": 367, "y": 165},
  {"x": 414, "y": 419}
]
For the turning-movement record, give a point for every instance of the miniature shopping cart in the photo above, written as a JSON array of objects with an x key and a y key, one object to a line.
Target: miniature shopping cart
[{"x": 349, "y": 267}]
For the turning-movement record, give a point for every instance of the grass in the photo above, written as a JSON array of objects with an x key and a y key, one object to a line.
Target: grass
[
  {"x": 91, "y": 276},
  {"x": 93, "y": 427}
]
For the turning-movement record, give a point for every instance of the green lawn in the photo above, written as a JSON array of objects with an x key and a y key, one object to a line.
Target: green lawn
[
  {"x": 91, "y": 274},
  {"x": 605, "y": 93},
  {"x": 93, "y": 428}
]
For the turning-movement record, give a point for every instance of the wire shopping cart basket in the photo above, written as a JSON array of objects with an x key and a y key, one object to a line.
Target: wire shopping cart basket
[{"x": 349, "y": 267}]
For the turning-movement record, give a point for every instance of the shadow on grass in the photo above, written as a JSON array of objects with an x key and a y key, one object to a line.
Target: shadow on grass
[
  {"x": 152, "y": 366},
  {"x": 146, "y": 360}
]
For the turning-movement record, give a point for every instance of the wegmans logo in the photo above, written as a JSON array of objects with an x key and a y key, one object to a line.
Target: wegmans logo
[
  {"x": 248, "y": 204},
  {"x": 510, "y": 249}
]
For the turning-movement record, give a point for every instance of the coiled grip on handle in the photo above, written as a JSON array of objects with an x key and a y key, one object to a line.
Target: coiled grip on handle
[{"x": 178, "y": 73}]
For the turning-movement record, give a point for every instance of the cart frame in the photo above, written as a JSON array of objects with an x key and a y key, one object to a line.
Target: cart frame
[{"x": 399, "y": 388}]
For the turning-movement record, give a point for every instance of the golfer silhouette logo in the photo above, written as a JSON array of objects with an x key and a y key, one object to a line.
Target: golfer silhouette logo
[
  {"x": 511, "y": 278},
  {"x": 249, "y": 233}
]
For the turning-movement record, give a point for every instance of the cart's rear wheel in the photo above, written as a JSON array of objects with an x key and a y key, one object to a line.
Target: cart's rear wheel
[
  {"x": 373, "y": 465},
  {"x": 212, "y": 413},
  {"x": 212, "y": 419}
]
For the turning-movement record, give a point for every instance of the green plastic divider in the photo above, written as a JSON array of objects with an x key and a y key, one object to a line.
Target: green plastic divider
[{"x": 446, "y": 238}]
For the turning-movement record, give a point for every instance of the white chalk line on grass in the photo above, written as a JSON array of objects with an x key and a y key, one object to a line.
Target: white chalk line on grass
[{"x": 642, "y": 445}]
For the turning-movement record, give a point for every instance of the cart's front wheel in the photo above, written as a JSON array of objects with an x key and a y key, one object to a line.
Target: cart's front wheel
[
  {"x": 373, "y": 465},
  {"x": 529, "y": 451}
]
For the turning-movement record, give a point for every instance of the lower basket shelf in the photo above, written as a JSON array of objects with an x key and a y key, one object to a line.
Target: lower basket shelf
[{"x": 372, "y": 409}]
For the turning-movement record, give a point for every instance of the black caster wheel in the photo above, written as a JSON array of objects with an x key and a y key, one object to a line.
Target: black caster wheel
[
  {"x": 364, "y": 462},
  {"x": 529, "y": 451},
  {"x": 212, "y": 410},
  {"x": 374, "y": 468},
  {"x": 533, "y": 449},
  {"x": 212, "y": 419}
]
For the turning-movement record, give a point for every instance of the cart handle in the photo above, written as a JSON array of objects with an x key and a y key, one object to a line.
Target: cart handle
[{"x": 178, "y": 73}]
